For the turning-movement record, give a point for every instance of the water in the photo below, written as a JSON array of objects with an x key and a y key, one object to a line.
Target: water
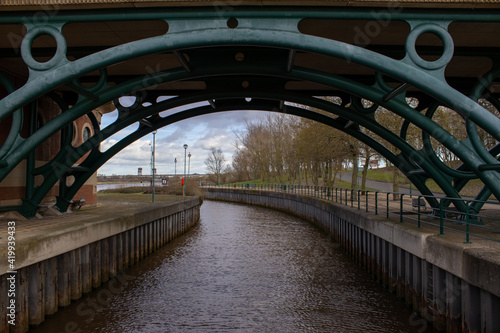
[
  {"x": 101, "y": 187},
  {"x": 242, "y": 269}
]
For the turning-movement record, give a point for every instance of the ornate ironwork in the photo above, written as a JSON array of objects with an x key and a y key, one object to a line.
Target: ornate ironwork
[{"x": 203, "y": 42}]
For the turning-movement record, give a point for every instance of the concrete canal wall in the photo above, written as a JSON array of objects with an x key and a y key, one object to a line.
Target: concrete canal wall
[
  {"x": 454, "y": 286},
  {"x": 56, "y": 269}
]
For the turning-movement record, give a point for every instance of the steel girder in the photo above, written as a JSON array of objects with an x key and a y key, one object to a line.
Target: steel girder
[{"x": 254, "y": 29}]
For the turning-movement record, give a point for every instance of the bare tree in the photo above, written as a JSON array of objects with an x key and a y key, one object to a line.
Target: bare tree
[{"x": 215, "y": 163}]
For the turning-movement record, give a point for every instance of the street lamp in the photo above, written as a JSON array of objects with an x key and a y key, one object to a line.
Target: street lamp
[
  {"x": 175, "y": 167},
  {"x": 153, "y": 165},
  {"x": 184, "y": 185},
  {"x": 189, "y": 164}
]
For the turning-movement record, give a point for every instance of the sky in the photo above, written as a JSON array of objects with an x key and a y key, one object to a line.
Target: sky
[{"x": 199, "y": 133}]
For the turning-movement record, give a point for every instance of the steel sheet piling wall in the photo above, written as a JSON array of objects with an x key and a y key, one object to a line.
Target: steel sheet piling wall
[
  {"x": 51, "y": 300},
  {"x": 54, "y": 282},
  {"x": 400, "y": 258},
  {"x": 63, "y": 281}
]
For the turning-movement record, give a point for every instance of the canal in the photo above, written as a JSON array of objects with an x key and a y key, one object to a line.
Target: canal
[{"x": 242, "y": 269}]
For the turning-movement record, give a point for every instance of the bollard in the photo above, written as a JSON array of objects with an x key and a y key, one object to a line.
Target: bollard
[
  {"x": 441, "y": 218},
  {"x": 401, "y": 208},
  {"x": 359, "y": 199},
  {"x": 387, "y": 205},
  {"x": 467, "y": 236}
]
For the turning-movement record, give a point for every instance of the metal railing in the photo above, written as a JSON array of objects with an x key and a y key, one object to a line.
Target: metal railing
[{"x": 406, "y": 208}]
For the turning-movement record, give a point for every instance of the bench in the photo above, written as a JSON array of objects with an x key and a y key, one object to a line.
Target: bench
[
  {"x": 77, "y": 203},
  {"x": 418, "y": 202},
  {"x": 450, "y": 214}
]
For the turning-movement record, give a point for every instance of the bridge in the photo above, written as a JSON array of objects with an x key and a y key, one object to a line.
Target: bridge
[{"x": 65, "y": 64}]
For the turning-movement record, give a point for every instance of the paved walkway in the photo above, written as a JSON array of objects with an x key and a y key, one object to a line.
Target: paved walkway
[
  {"x": 380, "y": 186},
  {"x": 484, "y": 233},
  {"x": 109, "y": 206}
]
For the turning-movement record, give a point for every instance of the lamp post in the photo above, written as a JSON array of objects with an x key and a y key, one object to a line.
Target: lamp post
[
  {"x": 153, "y": 165},
  {"x": 184, "y": 185},
  {"x": 175, "y": 167},
  {"x": 189, "y": 164}
]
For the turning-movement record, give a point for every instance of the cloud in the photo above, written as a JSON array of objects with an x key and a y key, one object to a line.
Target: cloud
[
  {"x": 201, "y": 133},
  {"x": 137, "y": 154},
  {"x": 174, "y": 135},
  {"x": 109, "y": 118}
]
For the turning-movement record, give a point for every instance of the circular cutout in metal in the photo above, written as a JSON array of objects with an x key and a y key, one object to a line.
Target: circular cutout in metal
[
  {"x": 27, "y": 43},
  {"x": 439, "y": 32}
]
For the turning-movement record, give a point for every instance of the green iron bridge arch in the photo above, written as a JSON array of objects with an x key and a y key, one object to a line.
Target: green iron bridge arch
[{"x": 241, "y": 53}]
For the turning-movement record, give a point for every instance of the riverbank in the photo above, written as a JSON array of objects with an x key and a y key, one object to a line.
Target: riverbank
[
  {"x": 57, "y": 259},
  {"x": 452, "y": 284},
  {"x": 242, "y": 269}
]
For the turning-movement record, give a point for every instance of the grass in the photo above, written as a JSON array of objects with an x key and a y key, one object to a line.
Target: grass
[
  {"x": 384, "y": 175},
  {"x": 124, "y": 190},
  {"x": 472, "y": 188},
  {"x": 338, "y": 183},
  {"x": 135, "y": 198},
  {"x": 174, "y": 190}
]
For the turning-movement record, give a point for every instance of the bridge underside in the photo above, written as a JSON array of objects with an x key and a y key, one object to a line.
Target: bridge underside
[{"x": 283, "y": 59}]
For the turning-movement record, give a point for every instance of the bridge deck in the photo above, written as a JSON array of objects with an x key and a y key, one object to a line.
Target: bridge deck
[{"x": 77, "y": 4}]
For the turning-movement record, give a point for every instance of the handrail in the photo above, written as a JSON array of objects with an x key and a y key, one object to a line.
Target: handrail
[{"x": 406, "y": 207}]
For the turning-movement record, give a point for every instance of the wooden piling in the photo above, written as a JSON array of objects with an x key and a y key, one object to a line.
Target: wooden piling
[
  {"x": 4, "y": 303},
  {"x": 63, "y": 284},
  {"x": 22, "y": 292},
  {"x": 36, "y": 302},
  {"x": 86, "y": 269},
  {"x": 119, "y": 252},
  {"x": 104, "y": 260},
  {"x": 112, "y": 248},
  {"x": 95, "y": 254}
]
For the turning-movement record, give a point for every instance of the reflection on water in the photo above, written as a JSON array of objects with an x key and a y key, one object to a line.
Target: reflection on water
[{"x": 244, "y": 269}]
